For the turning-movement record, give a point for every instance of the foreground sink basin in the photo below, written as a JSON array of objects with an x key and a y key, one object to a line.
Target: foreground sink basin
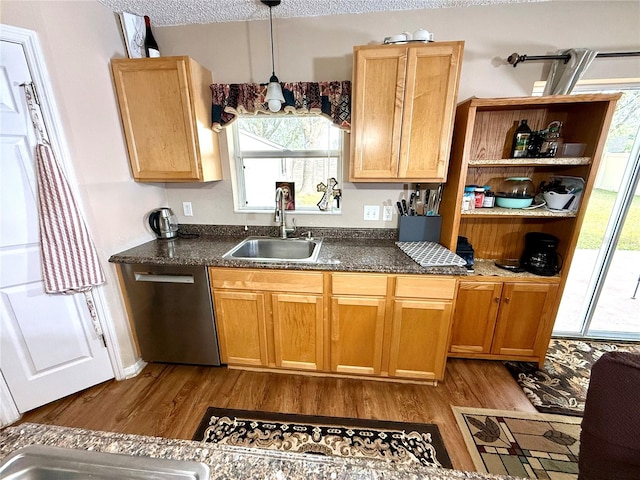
[
  {"x": 265, "y": 249},
  {"x": 40, "y": 462}
]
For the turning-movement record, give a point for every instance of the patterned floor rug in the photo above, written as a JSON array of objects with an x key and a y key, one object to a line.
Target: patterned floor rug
[
  {"x": 402, "y": 443},
  {"x": 527, "y": 445},
  {"x": 561, "y": 386}
]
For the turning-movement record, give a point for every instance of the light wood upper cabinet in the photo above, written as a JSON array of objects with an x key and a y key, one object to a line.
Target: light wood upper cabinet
[
  {"x": 403, "y": 106},
  {"x": 165, "y": 107}
]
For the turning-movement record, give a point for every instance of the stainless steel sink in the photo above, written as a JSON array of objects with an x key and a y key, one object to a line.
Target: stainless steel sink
[
  {"x": 269, "y": 249},
  {"x": 40, "y": 462}
]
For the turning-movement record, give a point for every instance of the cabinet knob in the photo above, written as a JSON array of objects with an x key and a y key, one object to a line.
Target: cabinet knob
[
  {"x": 496, "y": 299},
  {"x": 507, "y": 300}
]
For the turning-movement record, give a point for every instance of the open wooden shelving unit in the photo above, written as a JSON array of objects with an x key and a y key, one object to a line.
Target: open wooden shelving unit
[{"x": 480, "y": 155}]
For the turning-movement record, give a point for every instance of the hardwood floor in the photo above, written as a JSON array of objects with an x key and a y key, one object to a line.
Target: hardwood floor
[{"x": 169, "y": 400}]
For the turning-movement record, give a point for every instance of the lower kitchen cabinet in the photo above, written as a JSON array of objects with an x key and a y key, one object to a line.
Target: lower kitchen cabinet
[
  {"x": 419, "y": 335},
  {"x": 269, "y": 318},
  {"x": 358, "y": 311},
  {"x": 298, "y": 331},
  {"x": 362, "y": 324},
  {"x": 240, "y": 318},
  {"x": 506, "y": 320},
  {"x": 420, "y": 327}
]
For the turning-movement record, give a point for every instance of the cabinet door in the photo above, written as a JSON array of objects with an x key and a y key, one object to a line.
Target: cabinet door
[
  {"x": 298, "y": 331},
  {"x": 474, "y": 317},
  {"x": 524, "y": 319},
  {"x": 419, "y": 339},
  {"x": 164, "y": 105},
  {"x": 240, "y": 318},
  {"x": 357, "y": 329},
  {"x": 431, "y": 90},
  {"x": 378, "y": 92}
]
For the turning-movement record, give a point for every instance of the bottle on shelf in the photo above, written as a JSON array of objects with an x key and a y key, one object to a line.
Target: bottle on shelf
[
  {"x": 521, "y": 140},
  {"x": 150, "y": 45},
  {"x": 552, "y": 140}
]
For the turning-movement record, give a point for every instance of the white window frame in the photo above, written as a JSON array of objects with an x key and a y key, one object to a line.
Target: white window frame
[{"x": 238, "y": 184}]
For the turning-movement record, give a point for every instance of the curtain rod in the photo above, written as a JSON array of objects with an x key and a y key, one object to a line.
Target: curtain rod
[{"x": 514, "y": 59}]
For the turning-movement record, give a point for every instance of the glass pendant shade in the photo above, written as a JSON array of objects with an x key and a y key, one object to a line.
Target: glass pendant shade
[{"x": 274, "y": 96}]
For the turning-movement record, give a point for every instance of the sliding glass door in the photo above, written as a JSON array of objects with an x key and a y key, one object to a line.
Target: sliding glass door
[{"x": 601, "y": 298}]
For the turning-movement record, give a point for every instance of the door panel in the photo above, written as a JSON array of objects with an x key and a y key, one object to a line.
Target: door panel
[
  {"x": 48, "y": 348},
  {"x": 298, "y": 331},
  {"x": 240, "y": 321},
  {"x": 357, "y": 327},
  {"x": 474, "y": 318},
  {"x": 525, "y": 313},
  {"x": 419, "y": 339}
]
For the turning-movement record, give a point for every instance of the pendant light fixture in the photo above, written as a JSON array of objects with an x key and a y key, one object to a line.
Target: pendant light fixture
[{"x": 274, "y": 96}]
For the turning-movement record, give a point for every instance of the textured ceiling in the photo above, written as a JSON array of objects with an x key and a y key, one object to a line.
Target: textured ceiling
[{"x": 181, "y": 12}]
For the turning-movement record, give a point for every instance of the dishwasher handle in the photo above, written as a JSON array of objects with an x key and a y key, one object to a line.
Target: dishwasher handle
[{"x": 163, "y": 278}]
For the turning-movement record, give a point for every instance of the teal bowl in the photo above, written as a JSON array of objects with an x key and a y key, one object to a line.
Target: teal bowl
[{"x": 511, "y": 202}]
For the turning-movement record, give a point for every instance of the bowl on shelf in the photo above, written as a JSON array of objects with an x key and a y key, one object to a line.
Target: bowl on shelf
[
  {"x": 515, "y": 192},
  {"x": 558, "y": 201},
  {"x": 506, "y": 201}
]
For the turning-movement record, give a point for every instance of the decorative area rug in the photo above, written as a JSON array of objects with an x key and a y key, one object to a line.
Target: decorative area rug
[
  {"x": 561, "y": 386},
  {"x": 400, "y": 443},
  {"x": 528, "y": 445}
]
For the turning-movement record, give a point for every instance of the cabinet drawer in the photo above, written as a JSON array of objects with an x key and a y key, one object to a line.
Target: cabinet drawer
[
  {"x": 358, "y": 284},
  {"x": 425, "y": 287},
  {"x": 266, "y": 280}
]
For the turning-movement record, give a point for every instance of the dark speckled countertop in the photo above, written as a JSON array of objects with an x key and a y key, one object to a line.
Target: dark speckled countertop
[{"x": 350, "y": 250}]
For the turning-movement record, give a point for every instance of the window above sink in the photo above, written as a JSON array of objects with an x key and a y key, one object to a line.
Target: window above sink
[{"x": 305, "y": 150}]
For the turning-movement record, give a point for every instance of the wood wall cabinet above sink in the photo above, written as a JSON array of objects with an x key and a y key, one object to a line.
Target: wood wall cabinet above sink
[
  {"x": 165, "y": 107},
  {"x": 403, "y": 106}
]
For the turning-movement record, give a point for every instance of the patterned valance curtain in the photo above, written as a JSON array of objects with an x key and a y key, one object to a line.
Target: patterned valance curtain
[{"x": 330, "y": 99}]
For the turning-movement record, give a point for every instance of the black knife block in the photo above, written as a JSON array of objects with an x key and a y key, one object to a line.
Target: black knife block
[{"x": 413, "y": 228}]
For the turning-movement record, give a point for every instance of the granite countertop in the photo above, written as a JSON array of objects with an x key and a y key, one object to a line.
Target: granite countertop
[
  {"x": 226, "y": 462},
  {"x": 346, "y": 250}
]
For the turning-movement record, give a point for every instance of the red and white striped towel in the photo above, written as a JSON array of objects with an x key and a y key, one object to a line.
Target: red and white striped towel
[{"x": 69, "y": 258}]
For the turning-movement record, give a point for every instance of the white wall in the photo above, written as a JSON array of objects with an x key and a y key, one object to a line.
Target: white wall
[
  {"x": 79, "y": 39},
  {"x": 320, "y": 48}
]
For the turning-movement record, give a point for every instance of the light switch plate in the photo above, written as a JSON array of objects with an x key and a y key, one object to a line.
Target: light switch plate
[
  {"x": 186, "y": 209},
  {"x": 371, "y": 212}
]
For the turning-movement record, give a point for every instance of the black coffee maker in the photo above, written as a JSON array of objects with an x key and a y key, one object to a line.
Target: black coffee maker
[{"x": 540, "y": 255}]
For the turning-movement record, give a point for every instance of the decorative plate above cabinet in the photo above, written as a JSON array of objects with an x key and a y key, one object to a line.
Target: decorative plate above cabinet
[
  {"x": 404, "y": 100},
  {"x": 165, "y": 106}
]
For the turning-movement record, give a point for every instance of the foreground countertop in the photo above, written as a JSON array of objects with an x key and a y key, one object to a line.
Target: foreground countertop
[
  {"x": 226, "y": 462},
  {"x": 344, "y": 250}
]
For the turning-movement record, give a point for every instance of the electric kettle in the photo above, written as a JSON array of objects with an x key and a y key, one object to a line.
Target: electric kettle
[
  {"x": 164, "y": 223},
  {"x": 540, "y": 255}
]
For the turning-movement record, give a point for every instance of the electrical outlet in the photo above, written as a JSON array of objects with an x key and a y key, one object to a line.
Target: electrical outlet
[
  {"x": 387, "y": 213},
  {"x": 371, "y": 212},
  {"x": 186, "y": 208}
]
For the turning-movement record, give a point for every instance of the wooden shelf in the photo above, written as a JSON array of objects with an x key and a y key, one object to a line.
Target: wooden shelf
[
  {"x": 517, "y": 212},
  {"x": 525, "y": 162}
]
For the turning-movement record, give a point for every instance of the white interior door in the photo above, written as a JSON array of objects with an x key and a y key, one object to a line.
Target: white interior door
[{"x": 48, "y": 347}]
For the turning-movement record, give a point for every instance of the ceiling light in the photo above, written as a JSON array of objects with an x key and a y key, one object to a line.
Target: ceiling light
[{"x": 274, "y": 96}]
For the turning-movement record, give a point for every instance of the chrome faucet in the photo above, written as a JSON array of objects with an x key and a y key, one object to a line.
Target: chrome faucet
[{"x": 279, "y": 214}]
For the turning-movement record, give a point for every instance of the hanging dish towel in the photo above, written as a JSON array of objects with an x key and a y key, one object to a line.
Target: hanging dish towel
[{"x": 69, "y": 258}]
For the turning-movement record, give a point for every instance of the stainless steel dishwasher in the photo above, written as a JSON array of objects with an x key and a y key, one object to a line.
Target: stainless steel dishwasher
[{"x": 172, "y": 313}]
